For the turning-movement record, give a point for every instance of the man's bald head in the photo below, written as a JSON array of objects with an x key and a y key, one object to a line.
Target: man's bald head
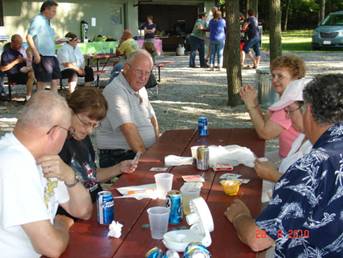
[{"x": 16, "y": 42}]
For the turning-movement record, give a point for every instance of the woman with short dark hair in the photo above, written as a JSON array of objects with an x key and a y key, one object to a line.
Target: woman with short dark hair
[{"x": 89, "y": 107}]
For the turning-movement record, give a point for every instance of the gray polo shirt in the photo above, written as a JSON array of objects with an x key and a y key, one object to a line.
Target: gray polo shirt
[{"x": 125, "y": 106}]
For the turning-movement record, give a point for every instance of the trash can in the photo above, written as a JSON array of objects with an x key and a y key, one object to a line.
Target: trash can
[
  {"x": 260, "y": 30},
  {"x": 266, "y": 94}
]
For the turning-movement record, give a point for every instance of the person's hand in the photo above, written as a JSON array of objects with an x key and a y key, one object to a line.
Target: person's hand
[
  {"x": 248, "y": 94},
  {"x": 266, "y": 170},
  {"x": 36, "y": 58},
  {"x": 237, "y": 209},
  {"x": 81, "y": 72},
  {"x": 62, "y": 221},
  {"x": 54, "y": 167},
  {"x": 128, "y": 166},
  {"x": 20, "y": 60}
]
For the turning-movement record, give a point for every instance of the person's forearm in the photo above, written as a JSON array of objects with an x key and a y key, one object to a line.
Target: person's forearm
[
  {"x": 156, "y": 127},
  {"x": 63, "y": 232},
  {"x": 248, "y": 233},
  {"x": 257, "y": 120},
  {"x": 104, "y": 174},
  {"x": 80, "y": 203},
  {"x": 72, "y": 66},
  {"x": 32, "y": 45},
  {"x": 9, "y": 66},
  {"x": 133, "y": 137}
]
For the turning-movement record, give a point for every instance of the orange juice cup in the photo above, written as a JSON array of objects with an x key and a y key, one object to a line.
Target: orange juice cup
[{"x": 231, "y": 187}]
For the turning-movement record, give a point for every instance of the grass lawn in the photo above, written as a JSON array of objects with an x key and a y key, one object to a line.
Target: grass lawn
[{"x": 293, "y": 40}]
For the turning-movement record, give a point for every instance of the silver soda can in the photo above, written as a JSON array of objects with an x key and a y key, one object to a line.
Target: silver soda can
[{"x": 203, "y": 156}]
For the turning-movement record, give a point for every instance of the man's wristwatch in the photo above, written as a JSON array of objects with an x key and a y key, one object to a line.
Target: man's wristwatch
[{"x": 76, "y": 180}]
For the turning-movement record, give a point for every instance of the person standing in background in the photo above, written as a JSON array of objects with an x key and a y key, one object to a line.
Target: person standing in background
[
  {"x": 41, "y": 39},
  {"x": 253, "y": 33},
  {"x": 217, "y": 27},
  {"x": 149, "y": 29},
  {"x": 197, "y": 41},
  {"x": 209, "y": 17}
]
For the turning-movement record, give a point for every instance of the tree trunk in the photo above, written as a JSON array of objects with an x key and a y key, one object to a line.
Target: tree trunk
[
  {"x": 288, "y": 3},
  {"x": 275, "y": 29},
  {"x": 322, "y": 10},
  {"x": 1, "y": 13},
  {"x": 252, "y": 4},
  {"x": 233, "y": 60}
]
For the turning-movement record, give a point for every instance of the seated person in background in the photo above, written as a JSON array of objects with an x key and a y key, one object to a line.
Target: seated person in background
[
  {"x": 13, "y": 63},
  {"x": 304, "y": 218},
  {"x": 130, "y": 124},
  {"x": 89, "y": 108},
  {"x": 292, "y": 102},
  {"x": 275, "y": 124},
  {"x": 127, "y": 45},
  {"x": 32, "y": 185},
  {"x": 72, "y": 63}
]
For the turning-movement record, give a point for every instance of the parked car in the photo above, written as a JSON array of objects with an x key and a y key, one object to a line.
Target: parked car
[{"x": 329, "y": 32}]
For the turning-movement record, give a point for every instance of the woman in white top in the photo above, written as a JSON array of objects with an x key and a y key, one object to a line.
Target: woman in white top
[
  {"x": 292, "y": 102},
  {"x": 72, "y": 63}
]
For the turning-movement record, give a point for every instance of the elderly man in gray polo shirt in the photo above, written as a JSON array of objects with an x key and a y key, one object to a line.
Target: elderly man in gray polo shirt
[{"x": 130, "y": 124}]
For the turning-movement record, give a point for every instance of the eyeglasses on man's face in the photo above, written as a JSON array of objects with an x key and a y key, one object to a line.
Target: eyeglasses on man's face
[
  {"x": 69, "y": 131},
  {"x": 89, "y": 124},
  {"x": 140, "y": 72},
  {"x": 301, "y": 107}
]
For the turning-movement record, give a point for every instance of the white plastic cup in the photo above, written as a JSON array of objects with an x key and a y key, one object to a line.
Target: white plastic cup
[
  {"x": 164, "y": 183},
  {"x": 158, "y": 220}
]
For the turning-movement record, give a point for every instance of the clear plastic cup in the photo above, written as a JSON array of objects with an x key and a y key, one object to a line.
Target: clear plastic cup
[
  {"x": 158, "y": 220},
  {"x": 164, "y": 183},
  {"x": 188, "y": 193}
]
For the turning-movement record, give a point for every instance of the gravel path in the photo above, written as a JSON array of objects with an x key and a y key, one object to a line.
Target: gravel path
[{"x": 186, "y": 93}]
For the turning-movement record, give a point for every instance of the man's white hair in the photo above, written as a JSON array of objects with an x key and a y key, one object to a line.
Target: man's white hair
[
  {"x": 140, "y": 53},
  {"x": 44, "y": 110}
]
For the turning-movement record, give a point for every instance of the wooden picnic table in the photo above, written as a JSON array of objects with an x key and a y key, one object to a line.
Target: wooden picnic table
[
  {"x": 89, "y": 239},
  {"x": 106, "y": 57}
]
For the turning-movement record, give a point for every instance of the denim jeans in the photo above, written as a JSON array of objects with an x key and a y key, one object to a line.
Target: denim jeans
[
  {"x": 2, "y": 89},
  {"x": 217, "y": 49},
  {"x": 253, "y": 43},
  {"x": 197, "y": 45},
  {"x": 109, "y": 158}
]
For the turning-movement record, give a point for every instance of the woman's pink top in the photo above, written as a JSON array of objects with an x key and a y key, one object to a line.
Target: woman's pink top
[{"x": 288, "y": 134}]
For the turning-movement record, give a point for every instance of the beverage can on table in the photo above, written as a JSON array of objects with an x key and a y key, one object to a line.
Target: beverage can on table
[
  {"x": 174, "y": 203},
  {"x": 202, "y": 126},
  {"x": 203, "y": 156},
  {"x": 154, "y": 252},
  {"x": 196, "y": 250},
  {"x": 105, "y": 207}
]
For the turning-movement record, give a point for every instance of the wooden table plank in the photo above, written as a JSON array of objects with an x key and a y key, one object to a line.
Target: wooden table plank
[
  {"x": 224, "y": 240},
  {"x": 224, "y": 233},
  {"x": 88, "y": 238}
]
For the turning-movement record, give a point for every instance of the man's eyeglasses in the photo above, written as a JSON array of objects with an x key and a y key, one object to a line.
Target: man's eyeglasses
[
  {"x": 300, "y": 107},
  {"x": 70, "y": 131},
  {"x": 88, "y": 124},
  {"x": 140, "y": 72}
]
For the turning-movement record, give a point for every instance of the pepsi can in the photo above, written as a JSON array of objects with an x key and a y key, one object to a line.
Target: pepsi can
[
  {"x": 105, "y": 207},
  {"x": 154, "y": 253},
  {"x": 174, "y": 202},
  {"x": 202, "y": 126},
  {"x": 196, "y": 250}
]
